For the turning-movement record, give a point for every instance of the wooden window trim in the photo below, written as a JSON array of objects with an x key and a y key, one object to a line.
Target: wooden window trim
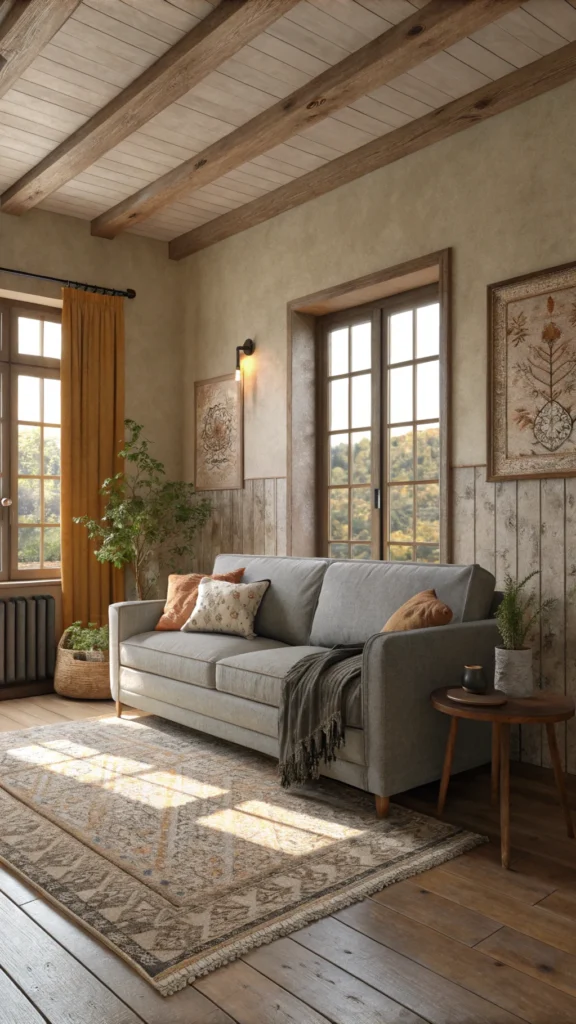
[
  {"x": 302, "y": 355},
  {"x": 11, "y": 364},
  {"x": 376, "y": 313}
]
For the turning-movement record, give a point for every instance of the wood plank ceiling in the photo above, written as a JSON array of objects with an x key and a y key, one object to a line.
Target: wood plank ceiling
[{"x": 271, "y": 50}]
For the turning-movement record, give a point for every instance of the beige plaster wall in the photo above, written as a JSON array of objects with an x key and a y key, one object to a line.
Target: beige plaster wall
[
  {"x": 501, "y": 194},
  {"x": 48, "y": 243}
]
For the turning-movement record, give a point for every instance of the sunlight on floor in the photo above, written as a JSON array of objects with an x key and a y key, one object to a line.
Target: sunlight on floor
[
  {"x": 297, "y": 819},
  {"x": 184, "y": 784},
  {"x": 277, "y": 828},
  {"x": 37, "y": 754}
]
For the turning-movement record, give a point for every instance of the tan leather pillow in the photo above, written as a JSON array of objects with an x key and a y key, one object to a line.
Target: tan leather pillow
[
  {"x": 419, "y": 612},
  {"x": 183, "y": 594}
]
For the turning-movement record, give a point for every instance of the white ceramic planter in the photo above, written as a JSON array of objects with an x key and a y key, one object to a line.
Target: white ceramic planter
[{"x": 513, "y": 672}]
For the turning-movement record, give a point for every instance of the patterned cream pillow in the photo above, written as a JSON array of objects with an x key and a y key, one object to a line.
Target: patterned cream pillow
[{"x": 226, "y": 607}]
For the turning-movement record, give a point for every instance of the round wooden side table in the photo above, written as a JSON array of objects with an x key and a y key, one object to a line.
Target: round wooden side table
[{"x": 546, "y": 709}]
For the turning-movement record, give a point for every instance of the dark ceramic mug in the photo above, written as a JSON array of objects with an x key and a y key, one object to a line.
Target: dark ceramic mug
[{"x": 473, "y": 679}]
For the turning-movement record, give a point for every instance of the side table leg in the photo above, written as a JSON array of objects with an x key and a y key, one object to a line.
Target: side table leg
[
  {"x": 559, "y": 774},
  {"x": 448, "y": 758},
  {"x": 505, "y": 793},
  {"x": 495, "y": 761}
]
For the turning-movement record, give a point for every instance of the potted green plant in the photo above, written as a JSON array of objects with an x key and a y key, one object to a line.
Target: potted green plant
[
  {"x": 82, "y": 663},
  {"x": 516, "y": 615},
  {"x": 147, "y": 519}
]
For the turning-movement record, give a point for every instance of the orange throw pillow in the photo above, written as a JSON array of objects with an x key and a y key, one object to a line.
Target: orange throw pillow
[
  {"x": 183, "y": 593},
  {"x": 419, "y": 612}
]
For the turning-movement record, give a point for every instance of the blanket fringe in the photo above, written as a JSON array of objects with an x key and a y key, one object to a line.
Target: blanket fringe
[{"x": 304, "y": 762}]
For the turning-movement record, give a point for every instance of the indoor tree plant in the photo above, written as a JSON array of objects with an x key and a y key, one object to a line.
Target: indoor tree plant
[
  {"x": 147, "y": 519},
  {"x": 516, "y": 614}
]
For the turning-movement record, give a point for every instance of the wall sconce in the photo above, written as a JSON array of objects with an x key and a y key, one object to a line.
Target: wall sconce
[{"x": 246, "y": 349}]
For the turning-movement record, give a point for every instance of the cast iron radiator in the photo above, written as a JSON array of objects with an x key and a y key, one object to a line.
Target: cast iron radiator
[{"x": 27, "y": 641}]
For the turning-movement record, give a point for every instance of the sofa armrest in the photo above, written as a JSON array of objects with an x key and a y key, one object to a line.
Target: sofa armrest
[
  {"x": 126, "y": 619},
  {"x": 405, "y": 736}
]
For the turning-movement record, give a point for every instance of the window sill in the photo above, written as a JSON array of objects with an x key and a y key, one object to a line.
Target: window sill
[{"x": 17, "y": 584}]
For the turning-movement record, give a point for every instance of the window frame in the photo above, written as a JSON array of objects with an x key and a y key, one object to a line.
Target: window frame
[
  {"x": 379, "y": 312},
  {"x": 13, "y": 363}
]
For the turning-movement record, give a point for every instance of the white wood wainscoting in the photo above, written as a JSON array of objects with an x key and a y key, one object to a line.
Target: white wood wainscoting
[
  {"x": 516, "y": 526},
  {"x": 249, "y": 521},
  {"x": 511, "y": 527}
]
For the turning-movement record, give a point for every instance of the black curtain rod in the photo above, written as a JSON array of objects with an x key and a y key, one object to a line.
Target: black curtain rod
[{"x": 129, "y": 293}]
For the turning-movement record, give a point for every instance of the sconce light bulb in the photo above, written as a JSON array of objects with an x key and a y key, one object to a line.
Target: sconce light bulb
[{"x": 238, "y": 373}]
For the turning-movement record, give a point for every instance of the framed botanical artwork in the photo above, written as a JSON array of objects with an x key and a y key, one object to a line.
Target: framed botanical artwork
[
  {"x": 219, "y": 461},
  {"x": 532, "y": 375}
]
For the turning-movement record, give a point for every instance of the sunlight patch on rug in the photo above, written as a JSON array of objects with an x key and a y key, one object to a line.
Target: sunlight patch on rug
[{"x": 182, "y": 852}]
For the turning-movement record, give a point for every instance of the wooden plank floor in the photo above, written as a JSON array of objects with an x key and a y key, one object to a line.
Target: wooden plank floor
[{"x": 465, "y": 943}]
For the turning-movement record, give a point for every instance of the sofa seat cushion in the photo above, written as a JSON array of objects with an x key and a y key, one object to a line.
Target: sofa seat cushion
[
  {"x": 242, "y": 718},
  {"x": 258, "y": 677},
  {"x": 187, "y": 657}
]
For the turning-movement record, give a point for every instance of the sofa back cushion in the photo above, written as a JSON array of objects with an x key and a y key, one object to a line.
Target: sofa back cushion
[
  {"x": 358, "y": 598},
  {"x": 288, "y": 607}
]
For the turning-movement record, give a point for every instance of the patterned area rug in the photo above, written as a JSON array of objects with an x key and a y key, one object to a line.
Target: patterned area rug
[{"x": 182, "y": 852}]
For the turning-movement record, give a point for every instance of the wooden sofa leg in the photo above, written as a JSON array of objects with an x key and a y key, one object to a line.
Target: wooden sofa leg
[
  {"x": 118, "y": 709},
  {"x": 382, "y": 806}
]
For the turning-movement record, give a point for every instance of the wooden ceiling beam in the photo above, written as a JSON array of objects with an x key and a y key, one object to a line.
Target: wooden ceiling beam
[
  {"x": 439, "y": 24},
  {"x": 519, "y": 86},
  {"x": 213, "y": 40},
  {"x": 24, "y": 31}
]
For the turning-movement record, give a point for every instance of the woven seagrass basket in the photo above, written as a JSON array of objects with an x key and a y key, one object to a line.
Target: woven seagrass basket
[{"x": 84, "y": 674}]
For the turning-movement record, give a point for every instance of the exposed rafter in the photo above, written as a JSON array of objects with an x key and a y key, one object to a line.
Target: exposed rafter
[
  {"x": 519, "y": 86},
  {"x": 439, "y": 24},
  {"x": 221, "y": 34},
  {"x": 25, "y": 30}
]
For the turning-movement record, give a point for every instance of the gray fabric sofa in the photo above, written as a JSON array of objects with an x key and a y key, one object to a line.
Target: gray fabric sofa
[{"x": 230, "y": 687}]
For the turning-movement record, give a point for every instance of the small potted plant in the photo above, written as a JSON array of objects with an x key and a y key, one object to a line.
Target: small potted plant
[
  {"x": 517, "y": 613},
  {"x": 82, "y": 668}
]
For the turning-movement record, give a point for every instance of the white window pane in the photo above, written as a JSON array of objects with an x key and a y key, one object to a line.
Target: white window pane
[
  {"x": 52, "y": 501},
  {"x": 361, "y": 457},
  {"x": 361, "y": 500},
  {"x": 29, "y": 510},
  {"x": 52, "y": 339},
  {"x": 428, "y": 390},
  {"x": 28, "y": 450},
  {"x": 339, "y": 513},
  {"x": 338, "y": 343},
  {"x": 52, "y": 547},
  {"x": 428, "y": 330},
  {"x": 401, "y": 398},
  {"x": 51, "y": 401},
  {"x": 51, "y": 450},
  {"x": 361, "y": 347},
  {"x": 29, "y": 547},
  {"x": 362, "y": 400},
  {"x": 401, "y": 344},
  {"x": 428, "y": 451},
  {"x": 29, "y": 398},
  {"x": 339, "y": 404},
  {"x": 400, "y": 453},
  {"x": 28, "y": 336},
  {"x": 339, "y": 448}
]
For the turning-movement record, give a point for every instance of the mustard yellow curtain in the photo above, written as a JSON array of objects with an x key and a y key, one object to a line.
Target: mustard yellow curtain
[{"x": 92, "y": 372}]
